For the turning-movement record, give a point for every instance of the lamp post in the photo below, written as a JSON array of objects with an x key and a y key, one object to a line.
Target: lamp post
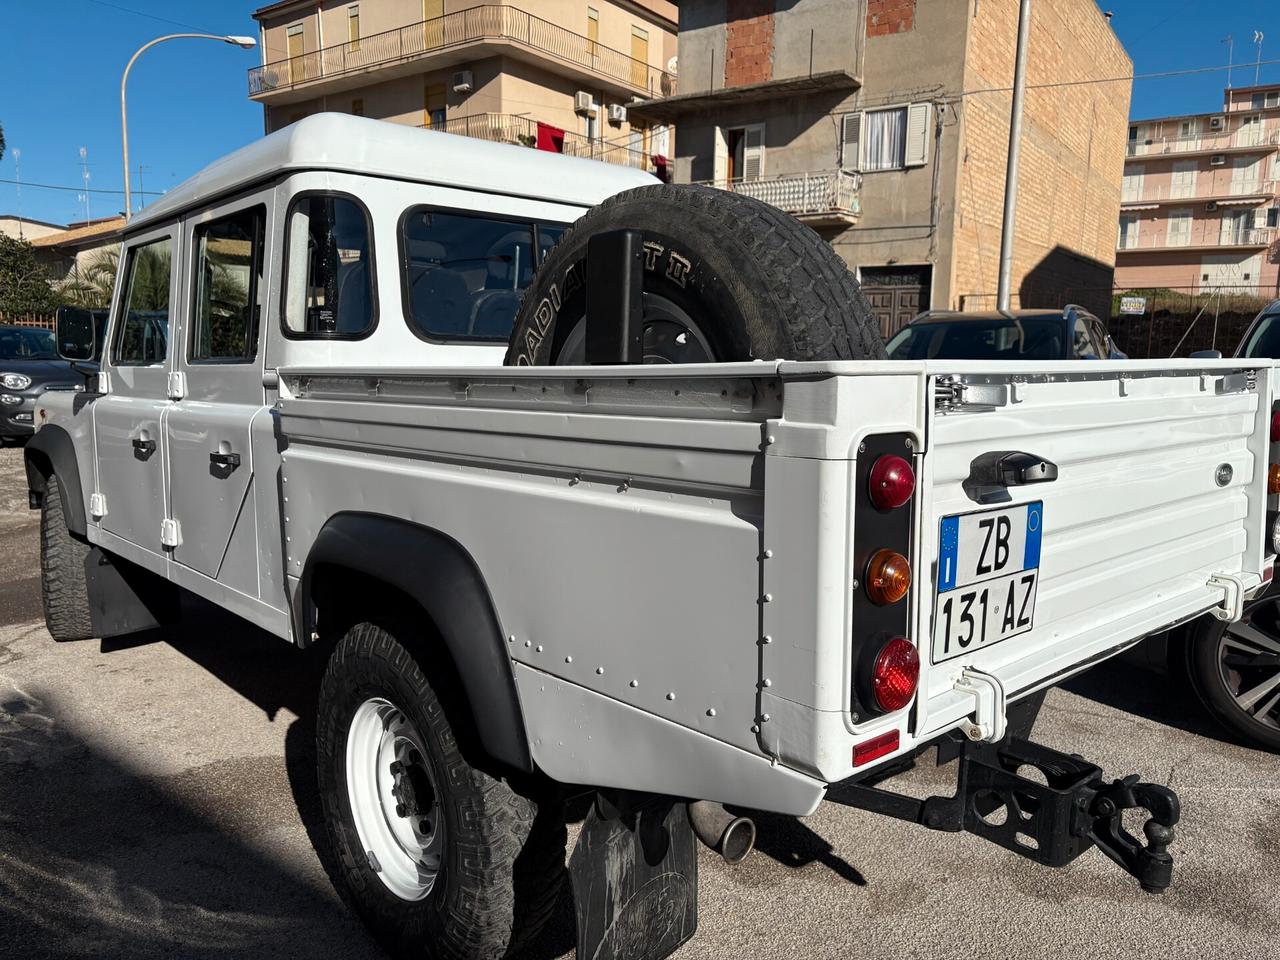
[{"x": 246, "y": 43}]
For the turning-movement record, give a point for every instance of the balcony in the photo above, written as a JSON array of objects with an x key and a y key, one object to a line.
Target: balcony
[
  {"x": 1211, "y": 237},
  {"x": 828, "y": 198},
  {"x": 522, "y": 131},
  {"x": 455, "y": 38},
  {"x": 1242, "y": 141},
  {"x": 1224, "y": 191}
]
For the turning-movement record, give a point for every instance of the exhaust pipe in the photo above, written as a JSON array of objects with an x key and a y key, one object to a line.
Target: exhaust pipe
[{"x": 731, "y": 837}]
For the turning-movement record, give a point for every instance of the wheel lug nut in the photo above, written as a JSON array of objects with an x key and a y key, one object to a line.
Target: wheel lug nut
[
  {"x": 400, "y": 811},
  {"x": 397, "y": 768}
]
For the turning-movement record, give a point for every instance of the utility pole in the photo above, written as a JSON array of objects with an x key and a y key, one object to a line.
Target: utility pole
[
  {"x": 142, "y": 194},
  {"x": 17, "y": 175},
  {"x": 1011, "y": 170},
  {"x": 84, "y": 170},
  {"x": 1257, "y": 65},
  {"x": 1230, "y": 46}
]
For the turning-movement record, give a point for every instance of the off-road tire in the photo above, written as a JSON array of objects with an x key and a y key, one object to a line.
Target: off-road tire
[
  {"x": 761, "y": 284},
  {"x": 1201, "y": 649},
  {"x": 63, "y": 571},
  {"x": 503, "y": 865}
]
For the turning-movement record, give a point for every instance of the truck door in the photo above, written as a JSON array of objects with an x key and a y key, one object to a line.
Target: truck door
[
  {"x": 129, "y": 421},
  {"x": 211, "y": 466}
]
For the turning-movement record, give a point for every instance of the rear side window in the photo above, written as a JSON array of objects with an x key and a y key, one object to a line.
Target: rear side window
[
  {"x": 143, "y": 335},
  {"x": 464, "y": 274},
  {"x": 328, "y": 276},
  {"x": 1264, "y": 339},
  {"x": 228, "y": 275}
]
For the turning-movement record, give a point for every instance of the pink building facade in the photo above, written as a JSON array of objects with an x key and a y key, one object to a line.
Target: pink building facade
[{"x": 1200, "y": 201}]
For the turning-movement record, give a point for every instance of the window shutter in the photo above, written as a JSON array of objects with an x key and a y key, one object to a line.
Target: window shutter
[
  {"x": 851, "y": 141},
  {"x": 917, "y": 152},
  {"x": 753, "y": 151},
  {"x": 1260, "y": 217},
  {"x": 720, "y": 160}
]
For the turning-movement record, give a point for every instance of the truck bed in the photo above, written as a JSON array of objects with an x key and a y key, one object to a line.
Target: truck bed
[{"x": 642, "y": 530}]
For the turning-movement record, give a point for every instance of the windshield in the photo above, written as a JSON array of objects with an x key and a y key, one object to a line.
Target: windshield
[
  {"x": 1264, "y": 339},
  {"x": 33, "y": 344},
  {"x": 1027, "y": 338}
]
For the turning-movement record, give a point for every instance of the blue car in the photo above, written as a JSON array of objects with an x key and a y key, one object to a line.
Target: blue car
[{"x": 1071, "y": 333}]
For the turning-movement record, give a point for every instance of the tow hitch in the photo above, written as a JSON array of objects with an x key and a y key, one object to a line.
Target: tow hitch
[{"x": 1051, "y": 822}]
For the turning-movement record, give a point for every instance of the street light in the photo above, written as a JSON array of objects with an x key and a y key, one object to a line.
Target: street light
[{"x": 245, "y": 43}]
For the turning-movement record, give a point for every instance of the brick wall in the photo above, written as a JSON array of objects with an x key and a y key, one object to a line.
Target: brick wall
[
  {"x": 748, "y": 44},
  {"x": 886, "y": 17},
  {"x": 1072, "y": 155}
]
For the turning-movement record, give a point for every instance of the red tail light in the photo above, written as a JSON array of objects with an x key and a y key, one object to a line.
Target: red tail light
[
  {"x": 895, "y": 675},
  {"x": 891, "y": 482},
  {"x": 1275, "y": 427}
]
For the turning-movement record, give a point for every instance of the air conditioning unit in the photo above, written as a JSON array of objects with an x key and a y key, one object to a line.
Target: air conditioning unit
[
  {"x": 462, "y": 82},
  {"x": 1211, "y": 206},
  {"x": 584, "y": 104},
  {"x": 617, "y": 113},
  {"x": 1217, "y": 123},
  {"x": 1218, "y": 160}
]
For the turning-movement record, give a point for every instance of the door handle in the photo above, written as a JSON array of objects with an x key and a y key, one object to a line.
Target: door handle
[
  {"x": 228, "y": 460},
  {"x": 1011, "y": 468},
  {"x": 145, "y": 447}
]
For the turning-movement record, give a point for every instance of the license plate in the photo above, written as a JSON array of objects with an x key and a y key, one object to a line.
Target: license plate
[{"x": 988, "y": 567}]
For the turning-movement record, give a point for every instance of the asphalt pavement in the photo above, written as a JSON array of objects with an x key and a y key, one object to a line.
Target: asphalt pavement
[{"x": 157, "y": 800}]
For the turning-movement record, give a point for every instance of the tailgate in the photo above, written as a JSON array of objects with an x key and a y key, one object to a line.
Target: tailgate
[{"x": 1160, "y": 486}]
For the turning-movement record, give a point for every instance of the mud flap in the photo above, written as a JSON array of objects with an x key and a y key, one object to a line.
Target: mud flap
[{"x": 634, "y": 872}]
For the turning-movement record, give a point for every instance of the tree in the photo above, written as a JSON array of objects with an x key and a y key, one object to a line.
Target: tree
[
  {"x": 1, "y": 141},
  {"x": 94, "y": 283},
  {"x": 23, "y": 287}
]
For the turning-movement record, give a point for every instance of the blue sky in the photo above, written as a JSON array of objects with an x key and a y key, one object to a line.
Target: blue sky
[{"x": 60, "y": 74}]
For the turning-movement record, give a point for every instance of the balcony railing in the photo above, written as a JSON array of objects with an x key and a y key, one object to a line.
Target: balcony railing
[
  {"x": 506, "y": 128},
  {"x": 1206, "y": 187},
  {"x": 487, "y": 22},
  {"x": 1211, "y": 236},
  {"x": 827, "y": 193},
  {"x": 1202, "y": 142}
]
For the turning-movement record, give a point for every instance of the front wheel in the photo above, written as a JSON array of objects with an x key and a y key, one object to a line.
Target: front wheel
[
  {"x": 441, "y": 859},
  {"x": 1235, "y": 670}
]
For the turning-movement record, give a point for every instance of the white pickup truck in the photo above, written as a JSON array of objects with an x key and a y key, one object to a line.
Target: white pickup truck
[{"x": 742, "y": 580}]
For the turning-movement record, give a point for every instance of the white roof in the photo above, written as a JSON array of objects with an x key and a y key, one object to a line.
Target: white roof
[{"x": 338, "y": 141}]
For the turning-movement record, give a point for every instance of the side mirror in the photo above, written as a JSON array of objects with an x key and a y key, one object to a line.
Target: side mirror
[
  {"x": 76, "y": 333},
  {"x": 1207, "y": 355}
]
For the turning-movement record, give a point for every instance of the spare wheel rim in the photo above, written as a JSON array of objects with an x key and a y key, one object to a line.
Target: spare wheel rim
[{"x": 394, "y": 800}]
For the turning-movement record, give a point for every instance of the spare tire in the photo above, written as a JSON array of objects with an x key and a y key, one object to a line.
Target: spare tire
[{"x": 726, "y": 277}]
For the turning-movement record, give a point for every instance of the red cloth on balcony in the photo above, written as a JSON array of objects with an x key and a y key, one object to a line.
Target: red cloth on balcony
[
  {"x": 550, "y": 138},
  {"x": 661, "y": 168}
]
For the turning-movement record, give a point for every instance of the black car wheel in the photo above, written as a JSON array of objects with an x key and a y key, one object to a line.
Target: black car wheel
[{"x": 1235, "y": 670}]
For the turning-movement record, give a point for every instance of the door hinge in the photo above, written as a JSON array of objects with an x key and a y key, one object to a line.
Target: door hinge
[
  {"x": 177, "y": 385},
  {"x": 1231, "y": 607},
  {"x": 103, "y": 385},
  {"x": 952, "y": 393},
  {"x": 170, "y": 533},
  {"x": 1241, "y": 382},
  {"x": 97, "y": 505},
  {"x": 987, "y": 721}
]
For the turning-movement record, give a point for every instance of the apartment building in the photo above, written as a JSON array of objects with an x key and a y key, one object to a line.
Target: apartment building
[
  {"x": 884, "y": 124},
  {"x": 1200, "y": 202},
  {"x": 549, "y": 74}
]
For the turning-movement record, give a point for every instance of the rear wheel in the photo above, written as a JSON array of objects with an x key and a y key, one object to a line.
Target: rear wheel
[
  {"x": 1235, "y": 670},
  {"x": 726, "y": 277},
  {"x": 441, "y": 859},
  {"x": 64, "y": 586}
]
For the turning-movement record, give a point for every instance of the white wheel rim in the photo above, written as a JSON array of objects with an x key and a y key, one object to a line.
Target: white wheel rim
[{"x": 394, "y": 800}]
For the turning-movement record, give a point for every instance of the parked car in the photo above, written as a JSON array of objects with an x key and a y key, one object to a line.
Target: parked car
[
  {"x": 665, "y": 588},
  {"x": 1072, "y": 333},
  {"x": 30, "y": 365}
]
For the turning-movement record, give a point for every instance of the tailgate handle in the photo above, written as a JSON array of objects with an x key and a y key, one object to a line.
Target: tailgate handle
[{"x": 1011, "y": 468}]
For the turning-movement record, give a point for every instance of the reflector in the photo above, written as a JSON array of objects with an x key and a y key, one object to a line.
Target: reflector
[{"x": 875, "y": 748}]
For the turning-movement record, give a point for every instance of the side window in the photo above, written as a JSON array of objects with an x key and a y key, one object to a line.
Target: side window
[
  {"x": 328, "y": 274},
  {"x": 143, "y": 328},
  {"x": 1082, "y": 345},
  {"x": 464, "y": 273},
  {"x": 228, "y": 276}
]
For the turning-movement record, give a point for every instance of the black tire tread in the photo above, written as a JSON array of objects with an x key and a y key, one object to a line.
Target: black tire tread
[{"x": 64, "y": 589}]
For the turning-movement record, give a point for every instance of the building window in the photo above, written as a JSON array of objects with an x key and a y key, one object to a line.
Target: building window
[
  {"x": 639, "y": 57},
  {"x": 328, "y": 278},
  {"x": 1179, "y": 228},
  {"x": 228, "y": 274},
  {"x": 353, "y": 27},
  {"x": 593, "y": 30},
  {"x": 1257, "y": 101},
  {"x": 1128, "y": 232},
  {"x": 1273, "y": 217},
  {"x": 433, "y": 105},
  {"x": 591, "y": 120},
  {"x": 888, "y": 139},
  {"x": 295, "y": 47},
  {"x": 357, "y": 107}
]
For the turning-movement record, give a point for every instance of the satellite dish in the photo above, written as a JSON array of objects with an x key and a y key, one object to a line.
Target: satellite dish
[{"x": 671, "y": 65}]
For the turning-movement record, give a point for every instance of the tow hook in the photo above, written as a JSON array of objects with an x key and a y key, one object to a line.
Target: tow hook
[{"x": 1051, "y": 821}]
